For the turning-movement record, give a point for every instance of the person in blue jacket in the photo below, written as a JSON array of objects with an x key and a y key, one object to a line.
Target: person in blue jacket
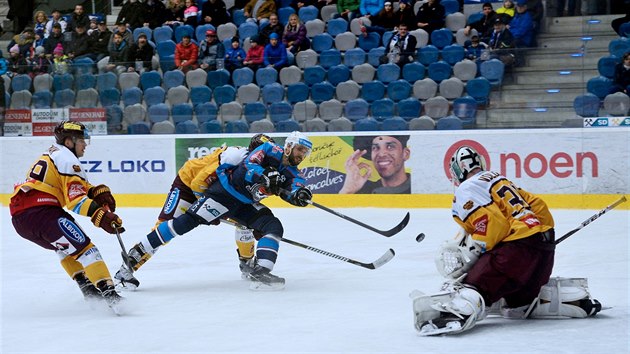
[
  {"x": 371, "y": 8},
  {"x": 275, "y": 54},
  {"x": 522, "y": 26}
]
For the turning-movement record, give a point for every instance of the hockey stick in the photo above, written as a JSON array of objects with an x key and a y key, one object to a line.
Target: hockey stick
[
  {"x": 386, "y": 257},
  {"x": 124, "y": 254},
  {"x": 591, "y": 219}
]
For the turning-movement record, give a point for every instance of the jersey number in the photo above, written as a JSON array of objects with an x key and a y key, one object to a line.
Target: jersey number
[
  {"x": 515, "y": 200},
  {"x": 39, "y": 171}
]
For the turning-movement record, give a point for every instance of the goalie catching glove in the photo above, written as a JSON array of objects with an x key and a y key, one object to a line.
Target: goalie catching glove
[
  {"x": 270, "y": 179},
  {"x": 457, "y": 256},
  {"x": 107, "y": 220},
  {"x": 102, "y": 196},
  {"x": 301, "y": 197}
]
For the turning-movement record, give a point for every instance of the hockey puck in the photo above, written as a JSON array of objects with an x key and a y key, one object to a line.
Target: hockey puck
[{"x": 420, "y": 237}]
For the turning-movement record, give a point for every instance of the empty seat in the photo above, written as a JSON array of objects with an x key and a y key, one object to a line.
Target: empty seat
[
  {"x": 347, "y": 90},
  {"x": 248, "y": 93},
  {"x": 394, "y": 123},
  {"x": 164, "y": 127},
  {"x": 453, "y": 53},
  {"x": 422, "y": 123},
  {"x": 211, "y": 127},
  {"x": 314, "y": 27},
  {"x": 373, "y": 90},
  {"x": 465, "y": 108},
  {"x": 586, "y": 105},
  {"x": 425, "y": 88},
  {"x": 287, "y": 126},
  {"x": 479, "y": 89},
  {"x": 114, "y": 116},
  {"x": 272, "y": 93},
  {"x": 247, "y": 30},
  {"x": 165, "y": 50},
  {"x": 461, "y": 37},
  {"x": 321, "y": 42},
  {"x": 599, "y": 86},
  {"x": 306, "y": 58},
  {"x": 369, "y": 42},
  {"x": 108, "y": 97},
  {"x": 161, "y": 34},
  {"x": 322, "y": 91},
  {"x": 206, "y": 111},
  {"x": 341, "y": 124},
  {"x": 65, "y": 98},
  {"x": 451, "y": 88},
  {"x": 218, "y": 78},
  {"x": 338, "y": 74},
  {"x": 254, "y": 111},
  {"x": 337, "y": 26},
  {"x": 159, "y": 112},
  {"x": 197, "y": 77},
  {"x": 388, "y": 72},
  {"x": 60, "y": 82},
  {"x": 314, "y": 75},
  {"x": 284, "y": 13},
  {"x": 131, "y": 96},
  {"x": 422, "y": 37},
  {"x": 409, "y": 108},
  {"x": 305, "y": 110},
  {"x": 150, "y": 79},
  {"x": 181, "y": 112},
  {"x": 186, "y": 127},
  {"x": 128, "y": 80},
  {"x": 366, "y": 124},
  {"x": 439, "y": 71},
  {"x": 354, "y": 57},
  {"x": 266, "y": 76},
  {"x": 138, "y": 128},
  {"x": 308, "y": 13},
  {"x": 279, "y": 111},
  {"x": 297, "y": 92},
  {"x": 290, "y": 75},
  {"x": 617, "y": 104},
  {"x": 345, "y": 41},
  {"x": 374, "y": 56},
  {"x": 363, "y": 73},
  {"x": 23, "y": 82},
  {"x": 242, "y": 76},
  {"x": 226, "y": 31},
  {"x": 173, "y": 78},
  {"x": 42, "y": 99},
  {"x": 237, "y": 126},
  {"x": 436, "y": 107},
  {"x": 154, "y": 95},
  {"x": 42, "y": 82},
  {"x": 356, "y": 109},
  {"x": 606, "y": 66},
  {"x": 618, "y": 47},
  {"x": 83, "y": 66},
  {"x": 177, "y": 95},
  {"x": 315, "y": 125},
  {"x": 449, "y": 123},
  {"x": 399, "y": 90},
  {"x": 134, "y": 113},
  {"x": 383, "y": 108},
  {"x": 329, "y": 58},
  {"x": 224, "y": 94},
  {"x": 86, "y": 98},
  {"x": 492, "y": 70},
  {"x": 330, "y": 109},
  {"x": 455, "y": 21},
  {"x": 85, "y": 81},
  {"x": 465, "y": 70},
  {"x": 413, "y": 72},
  {"x": 441, "y": 38},
  {"x": 328, "y": 12},
  {"x": 428, "y": 55},
  {"x": 230, "y": 111},
  {"x": 261, "y": 126},
  {"x": 200, "y": 94}
]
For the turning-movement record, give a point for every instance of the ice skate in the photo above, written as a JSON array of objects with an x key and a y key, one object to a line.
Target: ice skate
[
  {"x": 446, "y": 323},
  {"x": 262, "y": 279},
  {"x": 89, "y": 291},
  {"x": 111, "y": 297},
  {"x": 246, "y": 266},
  {"x": 125, "y": 280}
]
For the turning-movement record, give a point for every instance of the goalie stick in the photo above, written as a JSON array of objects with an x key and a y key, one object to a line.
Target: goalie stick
[
  {"x": 591, "y": 219},
  {"x": 386, "y": 257}
]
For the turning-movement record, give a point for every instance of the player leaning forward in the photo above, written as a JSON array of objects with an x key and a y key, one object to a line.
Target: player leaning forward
[
  {"x": 269, "y": 169},
  {"x": 505, "y": 251},
  {"x": 57, "y": 180}
]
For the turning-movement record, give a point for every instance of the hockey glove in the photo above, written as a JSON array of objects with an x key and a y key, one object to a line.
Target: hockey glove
[
  {"x": 271, "y": 180},
  {"x": 107, "y": 220},
  {"x": 301, "y": 197},
  {"x": 102, "y": 196}
]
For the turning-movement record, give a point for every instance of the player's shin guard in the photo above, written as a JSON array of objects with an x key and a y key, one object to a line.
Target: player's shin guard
[
  {"x": 267, "y": 251},
  {"x": 95, "y": 268},
  {"x": 564, "y": 298}
]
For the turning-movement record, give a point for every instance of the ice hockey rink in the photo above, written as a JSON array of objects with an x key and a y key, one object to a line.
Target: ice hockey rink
[{"x": 192, "y": 298}]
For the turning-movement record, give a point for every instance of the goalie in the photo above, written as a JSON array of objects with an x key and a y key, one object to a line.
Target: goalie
[{"x": 504, "y": 254}]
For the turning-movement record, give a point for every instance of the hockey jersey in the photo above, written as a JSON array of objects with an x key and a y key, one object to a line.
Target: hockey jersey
[
  {"x": 492, "y": 209},
  {"x": 199, "y": 173},
  {"x": 56, "y": 178}
]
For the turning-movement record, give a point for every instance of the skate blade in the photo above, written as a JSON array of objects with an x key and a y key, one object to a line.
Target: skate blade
[
  {"x": 259, "y": 286},
  {"x": 124, "y": 286},
  {"x": 430, "y": 329}
]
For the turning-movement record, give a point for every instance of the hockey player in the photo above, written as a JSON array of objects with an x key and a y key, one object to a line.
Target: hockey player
[
  {"x": 192, "y": 180},
  {"x": 267, "y": 170},
  {"x": 57, "y": 180},
  {"x": 505, "y": 251}
]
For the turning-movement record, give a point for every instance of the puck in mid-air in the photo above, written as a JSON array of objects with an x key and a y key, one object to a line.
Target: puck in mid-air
[{"x": 420, "y": 237}]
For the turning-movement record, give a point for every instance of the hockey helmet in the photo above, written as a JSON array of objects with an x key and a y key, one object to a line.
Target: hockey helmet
[
  {"x": 68, "y": 129},
  {"x": 298, "y": 138},
  {"x": 464, "y": 160},
  {"x": 258, "y": 140}
]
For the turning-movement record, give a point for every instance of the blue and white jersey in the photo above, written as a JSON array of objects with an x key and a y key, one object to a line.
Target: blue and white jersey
[{"x": 245, "y": 183}]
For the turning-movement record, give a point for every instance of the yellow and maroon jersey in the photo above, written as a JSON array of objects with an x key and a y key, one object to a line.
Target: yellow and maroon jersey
[
  {"x": 56, "y": 178},
  {"x": 199, "y": 173},
  {"x": 492, "y": 209}
]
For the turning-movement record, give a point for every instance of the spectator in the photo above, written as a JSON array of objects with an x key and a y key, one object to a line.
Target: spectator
[
  {"x": 573, "y": 9},
  {"x": 174, "y": 12},
  {"x": 259, "y": 11},
  {"x": 385, "y": 20},
  {"x": 537, "y": 11},
  {"x": 93, "y": 25},
  {"x": 211, "y": 52},
  {"x": 186, "y": 53},
  {"x": 298, "y": 4},
  {"x": 141, "y": 55},
  {"x": 39, "y": 21},
  {"x": 78, "y": 18},
  {"x": 38, "y": 40},
  {"x": 234, "y": 56},
  {"x": 348, "y": 9},
  {"x": 214, "y": 12},
  {"x": 430, "y": 16},
  {"x": 507, "y": 11},
  {"x": 621, "y": 81},
  {"x": 190, "y": 13},
  {"x": 405, "y": 15},
  {"x": 485, "y": 25},
  {"x": 132, "y": 14},
  {"x": 118, "y": 55},
  {"x": 126, "y": 33},
  {"x": 17, "y": 62},
  {"x": 501, "y": 43},
  {"x": 274, "y": 26},
  {"x": 79, "y": 44},
  {"x": 254, "y": 58},
  {"x": 99, "y": 41},
  {"x": 39, "y": 64},
  {"x": 155, "y": 14},
  {"x": 61, "y": 62},
  {"x": 294, "y": 37},
  {"x": 24, "y": 42},
  {"x": 475, "y": 49},
  {"x": 55, "y": 37},
  {"x": 522, "y": 26},
  {"x": 369, "y": 8},
  {"x": 275, "y": 54},
  {"x": 400, "y": 48},
  {"x": 56, "y": 18}
]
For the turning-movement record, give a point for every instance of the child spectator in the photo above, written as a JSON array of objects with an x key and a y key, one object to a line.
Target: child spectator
[
  {"x": 275, "y": 55},
  {"x": 17, "y": 63},
  {"x": 255, "y": 53},
  {"x": 507, "y": 11},
  {"x": 39, "y": 64},
  {"x": 61, "y": 63},
  {"x": 475, "y": 49},
  {"x": 190, "y": 13},
  {"x": 234, "y": 56},
  {"x": 186, "y": 54}
]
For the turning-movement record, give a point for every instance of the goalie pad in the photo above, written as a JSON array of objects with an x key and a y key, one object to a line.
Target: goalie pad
[
  {"x": 564, "y": 298},
  {"x": 458, "y": 255}
]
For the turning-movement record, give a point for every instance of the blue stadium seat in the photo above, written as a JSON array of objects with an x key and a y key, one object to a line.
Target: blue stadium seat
[
  {"x": 383, "y": 108},
  {"x": 599, "y": 86},
  {"x": 247, "y": 30},
  {"x": 237, "y": 126},
  {"x": 83, "y": 66},
  {"x": 200, "y": 31},
  {"x": 108, "y": 97},
  {"x": 161, "y": 34},
  {"x": 85, "y": 81},
  {"x": 314, "y": 75},
  {"x": 105, "y": 81},
  {"x": 224, "y": 94},
  {"x": 42, "y": 99},
  {"x": 173, "y": 78},
  {"x": 181, "y": 112},
  {"x": 475, "y": 17},
  {"x": 394, "y": 123},
  {"x": 387, "y": 36},
  {"x": 206, "y": 111},
  {"x": 428, "y": 55},
  {"x": 493, "y": 70},
  {"x": 242, "y": 76},
  {"x": 158, "y": 112},
  {"x": 366, "y": 125},
  {"x": 186, "y": 127},
  {"x": 284, "y": 13},
  {"x": 138, "y": 128},
  {"x": 150, "y": 79},
  {"x": 167, "y": 63},
  {"x": 238, "y": 17},
  {"x": 409, "y": 108},
  {"x": 619, "y": 46},
  {"x": 465, "y": 108},
  {"x": 388, "y": 73},
  {"x": 254, "y": 111},
  {"x": 399, "y": 90},
  {"x": 329, "y": 58},
  {"x": 354, "y": 57},
  {"x": 218, "y": 78},
  {"x": 60, "y": 82},
  {"x": 439, "y": 71},
  {"x": 374, "y": 56},
  {"x": 114, "y": 116},
  {"x": 373, "y": 40},
  {"x": 279, "y": 111},
  {"x": 297, "y": 92},
  {"x": 322, "y": 91},
  {"x": 453, "y": 53},
  {"x": 146, "y": 30},
  {"x": 287, "y": 126},
  {"x": 181, "y": 31},
  {"x": 154, "y": 95},
  {"x": 200, "y": 94},
  {"x": 337, "y": 26},
  {"x": 441, "y": 38},
  {"x": 272, "y": 93},
  {"x": 211, "y": 127},
  {"x": 606, "y": 66},
  {"x": 131, "y": 96},
  {"x": 356, "y": 109},
  {"x": 322, "y": 42},
  {"x": 372, "y": 91},
  {"x": 65, "y": 98},
  {"x": 587, "y": 105},
  {"x": 266, "y": 76},
  {"x": 308, "y": 13},
  {"x": 338, "y": 74},
  {"x": 449, "y": 123},
  {"x": 450, "y": 6},
  {"x": 166, "y": 49},
  {"x": 413, "y": 72},
  {"x": 479, "y": 89}
]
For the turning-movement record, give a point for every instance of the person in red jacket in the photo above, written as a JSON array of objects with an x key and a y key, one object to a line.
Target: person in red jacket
[
  {"x": 254, "y": 58},
  {"x": 186, "y": 54}
]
